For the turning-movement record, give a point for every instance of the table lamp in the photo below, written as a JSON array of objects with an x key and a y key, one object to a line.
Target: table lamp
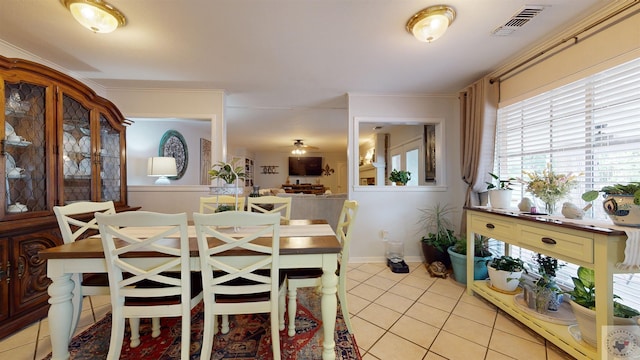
[{"x": 162, "y": 167}]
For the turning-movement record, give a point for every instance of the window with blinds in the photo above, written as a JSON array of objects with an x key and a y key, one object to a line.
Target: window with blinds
[{"x": 591, "y": 127}]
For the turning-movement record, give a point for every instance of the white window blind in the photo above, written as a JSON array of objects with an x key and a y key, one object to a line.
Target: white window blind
[{"x": 592, "y": 127}]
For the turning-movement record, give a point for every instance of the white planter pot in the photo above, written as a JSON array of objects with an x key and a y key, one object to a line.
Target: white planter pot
[
  {"x": 586, "y": 319},
  {"x": 500, "y": 199},
  {"x": 504, "y": 280},
  {"x": 621, "y": 210}
]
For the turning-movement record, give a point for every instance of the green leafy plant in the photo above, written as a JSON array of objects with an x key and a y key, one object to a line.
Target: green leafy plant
[
  {"x": 400, "y": 176},
  {"x": 631, "y": 188},
  {"x": 438, "y": 226},
  {"x": 507, "y": 263},
  {"x": 480, "y": 243},
  {"x": 584, "y": 294},
  {"x": 228, "y": 172},
  {"x": 499, "y": 184},
  {"x": 547, "y": 268}
]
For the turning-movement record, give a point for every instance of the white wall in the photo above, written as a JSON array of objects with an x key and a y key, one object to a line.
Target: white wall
[
  {"x": 396, "y": 209},
  {"x": 143, "y": 140}
]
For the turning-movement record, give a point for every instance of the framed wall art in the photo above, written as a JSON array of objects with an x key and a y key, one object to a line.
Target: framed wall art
[{"x": 173, "y": 145}]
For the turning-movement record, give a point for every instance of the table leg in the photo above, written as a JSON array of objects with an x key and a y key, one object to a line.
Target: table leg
[
  {"x": 329, "y": 308},
  {"x": 61, "y": 311}
]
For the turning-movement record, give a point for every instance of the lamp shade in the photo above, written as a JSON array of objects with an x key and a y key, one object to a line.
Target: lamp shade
[
  {"x": 431, "y": 23},
  {"x": 162, "y": 167},
  {"x": 96, "y": 15}
]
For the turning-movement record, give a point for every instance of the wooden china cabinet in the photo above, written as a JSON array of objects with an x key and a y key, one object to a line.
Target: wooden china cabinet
[{"x": 60, "y": 143}]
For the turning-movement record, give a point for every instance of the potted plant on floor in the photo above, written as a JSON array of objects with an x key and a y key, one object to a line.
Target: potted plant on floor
[
  {"x": 621, "y": 203},
  {"x": 500, "y": 192},
  {"x": 583, "y": 304},
  {"x": 400, "y": 177},
  {"x": 505, "y": 272},
  {"x": 458, "y": 254},
  {"x": 440, "y": 236}
]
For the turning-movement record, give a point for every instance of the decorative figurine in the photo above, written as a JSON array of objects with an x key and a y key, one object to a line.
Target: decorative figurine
[
  {"x": 525, "y": 204},
  {"x": 572, "y": 211}
]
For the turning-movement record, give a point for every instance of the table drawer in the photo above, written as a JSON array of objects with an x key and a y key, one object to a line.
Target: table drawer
[
  {"x": 560, "y": 245},
  {"x": 492, "y": 227}
]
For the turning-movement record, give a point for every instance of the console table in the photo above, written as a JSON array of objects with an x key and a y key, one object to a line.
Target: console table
[
  {"x": 579, "y": 243},
  {"x": 316, "y": 189}
]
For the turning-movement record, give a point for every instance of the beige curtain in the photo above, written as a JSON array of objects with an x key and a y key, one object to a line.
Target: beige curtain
[{"x": 478, "y": 113}]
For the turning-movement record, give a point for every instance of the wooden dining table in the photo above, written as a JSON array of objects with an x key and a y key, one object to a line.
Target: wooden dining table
[{"x": 303, "y": 244}]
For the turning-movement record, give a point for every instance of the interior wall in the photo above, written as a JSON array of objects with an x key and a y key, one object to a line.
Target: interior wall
[
  {"x": 143, "y": 141},
  {"x": 335, "y": 182},
  {"x": 396, "y": 210},
  {"x": 612, "y": 46}
]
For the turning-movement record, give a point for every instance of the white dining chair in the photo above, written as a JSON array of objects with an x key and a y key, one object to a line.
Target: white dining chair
[
  {"x": 76, "y": 221},
  {"x": 158, "y": 288},
  {"x": 210, "y": 204},
  {"x": 240, "y": 284},
  {"x": 297, "y": 278},
  {"x": 281, "y": 205}
]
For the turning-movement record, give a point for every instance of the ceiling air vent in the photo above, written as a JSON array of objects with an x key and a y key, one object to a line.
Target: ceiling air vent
[{"x": 518, "y": 20}]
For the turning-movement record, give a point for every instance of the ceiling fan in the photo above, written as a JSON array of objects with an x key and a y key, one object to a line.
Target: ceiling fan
[{"x": 300, "y": 148}]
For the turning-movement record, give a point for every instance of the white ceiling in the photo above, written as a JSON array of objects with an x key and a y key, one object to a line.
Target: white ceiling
[{"x": 285, "y": 65}]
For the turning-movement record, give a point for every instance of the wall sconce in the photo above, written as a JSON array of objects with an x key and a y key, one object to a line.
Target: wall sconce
[
  {"x": 162, "y": 167},
  {"x": 96, "y": 15},
  {"x": 429, "y": 24}
]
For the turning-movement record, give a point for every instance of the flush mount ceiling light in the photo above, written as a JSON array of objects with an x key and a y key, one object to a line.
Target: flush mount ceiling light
[
  {"x": 431, "y": 23},
  {"x": 96, "y": 15}
]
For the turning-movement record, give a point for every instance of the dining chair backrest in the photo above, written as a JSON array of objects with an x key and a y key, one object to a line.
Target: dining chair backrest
[
  {"x": 72, "y": 226},
  {"x": 165, "y": 234},
  {"x": 210, "y": 204},
  {"x": 280, "y": 205},
  {"x": 344, "y": 231},
  {"x": 133, "y": 296},
  {"x": 235, "y": 230}
]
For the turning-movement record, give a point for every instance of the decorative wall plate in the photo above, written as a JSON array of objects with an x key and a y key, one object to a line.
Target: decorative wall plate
[{"x": 173, "y": 145}]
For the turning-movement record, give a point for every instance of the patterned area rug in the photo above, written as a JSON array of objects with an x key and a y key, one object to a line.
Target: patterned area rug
[{"x": 248, "y": 339}]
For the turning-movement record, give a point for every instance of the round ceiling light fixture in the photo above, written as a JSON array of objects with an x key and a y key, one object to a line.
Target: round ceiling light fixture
[
  {"x": 96, "y": 15},
  {"x": 427, "y": 25}
]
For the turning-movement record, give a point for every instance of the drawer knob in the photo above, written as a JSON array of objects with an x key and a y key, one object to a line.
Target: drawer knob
[
  {"x": 490, "y": 226},
  {"x": 548, "y": 240}
]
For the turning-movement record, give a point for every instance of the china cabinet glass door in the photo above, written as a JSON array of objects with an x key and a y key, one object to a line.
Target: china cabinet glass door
[
  {"x": 109, "y": 161},
  {"x": 76, "y": 151},
  {"x": 23, "y": 150}
]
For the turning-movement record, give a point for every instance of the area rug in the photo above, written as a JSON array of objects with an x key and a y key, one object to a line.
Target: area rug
[{"x": 248, "y": 339}]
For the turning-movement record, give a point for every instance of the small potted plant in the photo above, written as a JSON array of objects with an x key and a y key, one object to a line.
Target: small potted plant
[
  {"x": 583, "y": 304},
  {"x": 400, "y": 177},
  {"x": 227, "y": 172},
  {"x": 505, "y": 272},
  {"x": 500, "y": 191},
  {"x": 545, "y": 295},
  {"x": 621, "y": 203}
]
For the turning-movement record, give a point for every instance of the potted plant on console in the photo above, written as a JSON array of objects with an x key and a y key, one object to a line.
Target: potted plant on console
[
  {"x": 500, "y": 192},
  {"x": 545, "y": 294},
  {"x": 505, "y": 272},
  {"x": 621, "y": 203},
  {"x": 400, "y": 177},
  {"x": 440, "y": 236},
  {"x": 583, "y": 304}
]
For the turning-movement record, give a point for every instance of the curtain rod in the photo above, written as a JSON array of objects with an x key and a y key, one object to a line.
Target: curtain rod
[{"x": 574, "y": 36}]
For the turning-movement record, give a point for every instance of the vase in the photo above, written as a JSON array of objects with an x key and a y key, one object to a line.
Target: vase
[{"x": 550, "y": 207}]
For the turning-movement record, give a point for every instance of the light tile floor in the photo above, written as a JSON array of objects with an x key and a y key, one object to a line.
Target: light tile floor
[{"x": 395, "y": 316}]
